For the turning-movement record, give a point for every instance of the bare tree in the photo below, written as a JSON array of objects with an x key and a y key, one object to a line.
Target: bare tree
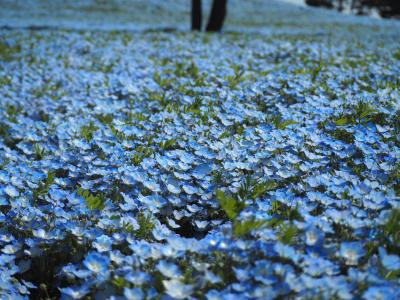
[
  {"x": 340, "y": 5},
  {"x": 196, "y": 15},
  {"x": 217, "y": 16}
]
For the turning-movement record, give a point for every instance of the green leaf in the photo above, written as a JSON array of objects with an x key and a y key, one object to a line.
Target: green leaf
[
  {"x": 364, "y": 111},
  {"x": 40, "y": 152},
  {"x": 287, "y": 234},
  {"x": 286, "y": 123},
  {"x": 51, "y": 177},
  {"x": 120, "y": 282},
  {"x": 87, "y": 131},
  {"x": 169, "y": 144},
  {"x": 146, "y": 224},
  {"x": 367, "y": 112},
  {"x": 261, "y": 188},
  {"x": 44, "y": 187},
  {"x": 284, "y": 211},
  {"x": 392, "y": 275},
  {"x": 342, "y": 121},
  {"x": 280, "y": 124},
  {"x": 245, "y": 227},
  {"x": 93, "y": 201},
  {"x": 392, "y": 227},
  {"x": 397, "y": 54},
  {"x": 231, "y": 206},
  {"x": 274, "y": 222},
  {"x": 193, "y": 70}
]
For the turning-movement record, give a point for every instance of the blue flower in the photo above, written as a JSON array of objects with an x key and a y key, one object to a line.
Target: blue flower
[
  {"x": 382, "y": 292},
  {"x": 103, "y": 243},
  {"x": 391, "y": 262},
  {"x": 133, "y": 294},
  {"x": 169, "y": 270},
  {"x": 177, "y": 289},
  {"x": 352, "y": 252},
  {"x": 97, "y": 263},
  {"x": 11, "y": 191},
  {"x": 77, "y": 292}
]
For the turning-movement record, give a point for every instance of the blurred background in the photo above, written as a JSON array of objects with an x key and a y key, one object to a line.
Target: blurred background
[{"x": 175, "y": 14}]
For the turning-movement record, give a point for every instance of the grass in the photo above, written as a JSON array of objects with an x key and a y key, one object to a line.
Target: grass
[
  {"x": 43, "y": 188},
  {"x": 87, "y": 131}
]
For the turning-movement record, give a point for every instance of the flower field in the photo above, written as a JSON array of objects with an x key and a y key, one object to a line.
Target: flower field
[{"x": 261, "y": 163}]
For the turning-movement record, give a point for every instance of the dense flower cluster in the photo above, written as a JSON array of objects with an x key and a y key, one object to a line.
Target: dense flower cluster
[{"x": 241, "y": 166}]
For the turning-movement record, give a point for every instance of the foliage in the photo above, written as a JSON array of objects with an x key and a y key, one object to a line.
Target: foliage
[
  {"x": 231, "y": 206},
  {"x": 245, "y": 227},
  {"x": 146, "y": 226},
  {"x": 391, "y": 229},
  {"x": 40, "y": 152},
  {"x": 44, "y": 187},
  {"x": 94, "y": 202},
  {"x": 88, "y": 130}
]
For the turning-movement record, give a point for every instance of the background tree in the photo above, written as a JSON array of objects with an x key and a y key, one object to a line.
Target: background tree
[
  {"x": 386, "y": 8},
  {"x": 196, "y": 15},
  {"x": 320, "y": 3},
  {"x": 217, "y": 16},
  {"x": 340, "y": 5}
]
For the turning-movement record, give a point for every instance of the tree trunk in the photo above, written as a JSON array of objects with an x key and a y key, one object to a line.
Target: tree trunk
[
  {"x": 340, "y": 6},
  {"x": 217, "y": 17},
  {"x": 196, "y": 15}
]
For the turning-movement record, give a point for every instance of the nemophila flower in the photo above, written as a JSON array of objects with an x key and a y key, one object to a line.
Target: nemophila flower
[
  {"x": 193, "y": 208},
  {"x": 182, "y": 176},
  {"x": 118, "y": 237},
  {"x": 178, "y": 243},
  {"x": 201, "y": 224},
  {"x": 138, "y": 278},
  {"x": 201, "y": 171},
  {"x": 391, "y": 262},
  {"x": 352, "y": 252},
  {"x": 153, "y": 202},
  {"x": 176, "y": 289},
  {"x": 384, "y": 292},
  {"x": 211, "y": 277},
  {"x": 134, "y": 294},
  {"x": 152, "y": 185},
  {"x": 117, "y": 257},
  {"x": 173, "y": 186},
  {"x": 263, "y": 273},
  {"x": 77, "y": 292},
  {"x": 314, "y": 236},
  {"x": 169, "y": 270},
  {"x": 173, "y": 224},
  {"x": 103, "y": 243},
  {"x": 161, "y": 232},
  {"x": 11, "y": 191},
  {"x": 96, "y": 263},
  {"x": 6, "y": 238},
  {"x": 43, "y": 234},
  {"x": 286, "y": 251},
  {"x": 129, "y": 204},
  {"x": 318, "y": 266},
  {"x": 142, "y": 249},
  {"x": 11, "y": 248},
  {"x": 72, "y": 272}
]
